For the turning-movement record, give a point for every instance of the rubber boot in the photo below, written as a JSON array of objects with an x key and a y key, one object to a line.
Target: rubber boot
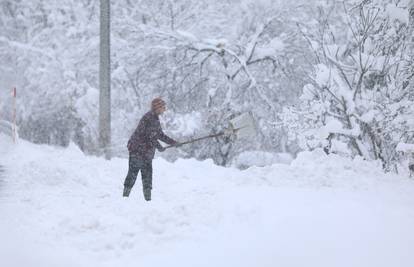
[
  {"x": 147, "y": 194},
  {"x": 127, "y": 190}
]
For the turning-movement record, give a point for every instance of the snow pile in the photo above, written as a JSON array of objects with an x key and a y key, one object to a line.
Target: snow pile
[
  {"x": 6, "y": 128},
  {"x": 62, "y": 208},
  {"x": 260, "y": 159},
  {"x": 6, "y": 144}
]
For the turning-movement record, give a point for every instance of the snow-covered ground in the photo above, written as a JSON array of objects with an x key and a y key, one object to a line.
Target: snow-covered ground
[{"x": 59, "y": 207}]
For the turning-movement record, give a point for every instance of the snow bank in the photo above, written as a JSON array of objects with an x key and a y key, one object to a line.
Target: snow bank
[
  {"x": 6, "y": 144},
  {"x": 62, "y": 208},
  {"x": 260, "y": 159}
]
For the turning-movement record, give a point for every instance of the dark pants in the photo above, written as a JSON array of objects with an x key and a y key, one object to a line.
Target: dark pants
[{"x": 145, "y": 166}]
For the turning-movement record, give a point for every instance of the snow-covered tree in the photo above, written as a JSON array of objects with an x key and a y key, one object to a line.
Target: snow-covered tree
[
  {"x": 358, "y": 102},
  {"x": 52, "y": 53},
  {"x": 212, "y": 60}
]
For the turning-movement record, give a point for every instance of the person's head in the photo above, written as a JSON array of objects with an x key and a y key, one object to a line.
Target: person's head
[{"x": 158, "y": 106}]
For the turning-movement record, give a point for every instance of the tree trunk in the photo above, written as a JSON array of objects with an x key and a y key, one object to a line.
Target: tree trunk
[{"x": 105, "y": 80}]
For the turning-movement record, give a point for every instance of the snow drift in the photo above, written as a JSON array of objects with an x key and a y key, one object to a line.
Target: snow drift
[{"x": 61, "y": 208}]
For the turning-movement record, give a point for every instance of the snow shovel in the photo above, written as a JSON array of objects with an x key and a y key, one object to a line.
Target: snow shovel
[{"x": 241, "y": 126}]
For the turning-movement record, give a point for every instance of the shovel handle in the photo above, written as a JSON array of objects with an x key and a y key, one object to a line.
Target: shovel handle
[
  {"x": 197, "y": 139},
  {"x": 233, "y": 131}
]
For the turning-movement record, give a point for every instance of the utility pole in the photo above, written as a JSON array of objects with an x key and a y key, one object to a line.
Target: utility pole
[
  {"x": 411, "y": 20},
  {"x": 14, "y": 94},
  {"x": 411, "y": 42},
  {"x": 105, "y": 80}
]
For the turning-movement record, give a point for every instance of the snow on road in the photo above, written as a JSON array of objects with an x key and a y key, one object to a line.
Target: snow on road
[
  {"x": 1, "y": 176},
  {"x": 61, "y": 208}
]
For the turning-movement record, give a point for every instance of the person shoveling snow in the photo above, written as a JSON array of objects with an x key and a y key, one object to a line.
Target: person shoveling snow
[
  {"x": 144, "y": 141},
  {"x": 142, "y": 145}
]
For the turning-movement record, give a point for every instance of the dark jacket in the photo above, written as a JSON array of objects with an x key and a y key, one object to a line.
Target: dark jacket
[{"x": 144, "y": 140}]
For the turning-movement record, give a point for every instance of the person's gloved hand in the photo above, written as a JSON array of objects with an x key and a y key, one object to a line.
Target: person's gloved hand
[{"x": 161, "y": 149}]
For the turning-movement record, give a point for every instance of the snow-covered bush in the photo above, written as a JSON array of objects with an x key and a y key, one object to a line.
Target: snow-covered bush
[
  {"x": 360, "y": 100},
  {"x": 48, "y": 49}
]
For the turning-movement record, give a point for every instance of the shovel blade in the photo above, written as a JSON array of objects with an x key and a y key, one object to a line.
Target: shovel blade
[{"x": 243, "y": 125}]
